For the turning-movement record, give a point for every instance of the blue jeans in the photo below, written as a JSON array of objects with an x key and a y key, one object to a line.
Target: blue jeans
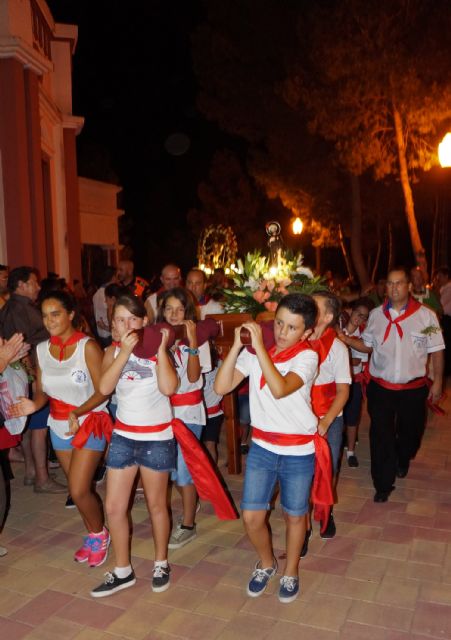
[
  {"x": 335, "y": 440},
  {"x": 182, "y": 476},
  {"x": 264, "y": 468},
  {"x": 158, "y": 455},
  {"x": 65, "y": 444}
]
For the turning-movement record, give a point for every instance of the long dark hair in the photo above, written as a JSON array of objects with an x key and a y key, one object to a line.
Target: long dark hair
[
  {"x": 131, "y": 303},
  {"x": 183, "y": 296},
  {"x": 68, "y": 303}
]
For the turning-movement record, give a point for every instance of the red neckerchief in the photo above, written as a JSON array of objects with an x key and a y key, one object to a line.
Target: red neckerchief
[
  {"x": 285, "y": 355},
  {"x": 323, "y": 345},
  {"x": 73, "y": 339},
  {"x": 410, "y": 308}
]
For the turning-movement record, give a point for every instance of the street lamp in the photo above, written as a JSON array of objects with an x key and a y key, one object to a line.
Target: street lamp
[
  {"x": 297, "y": 226},
  {"x": 444, "y": 151}
]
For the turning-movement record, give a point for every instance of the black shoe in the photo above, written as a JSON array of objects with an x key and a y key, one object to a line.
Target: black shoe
[
  {"x": 402, "y": 471},
  {"x": 381, "y": 496},
  {"x": 160, "y": 580},
  {"x": 70, "y": 504},
  {"x": 304, "y": 550},
  {"x": 330, "y": 530},
  {"x": 112, "y": 584},
  {"x": 352, "y": 461}
]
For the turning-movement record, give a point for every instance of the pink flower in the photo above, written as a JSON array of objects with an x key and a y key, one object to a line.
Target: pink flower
[
  {"x": 261, "y": 296},
  {"x": 282, "y": 290},
  {"x": 262, "y": 285},
  {"x": 270, "y": 284},
  {"x": 271, "y": 306}
]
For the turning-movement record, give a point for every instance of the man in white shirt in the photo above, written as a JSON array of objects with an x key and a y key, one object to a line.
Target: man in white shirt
[
  {"x": 196, "y": 282},
  {"x": 171, "y": 277},
  {"x": 100, "y": 307},
  {"x": 401, "y": 335}
]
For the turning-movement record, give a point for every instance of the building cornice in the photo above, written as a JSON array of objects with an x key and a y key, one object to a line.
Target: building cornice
[{"x": 30, "y": 58}]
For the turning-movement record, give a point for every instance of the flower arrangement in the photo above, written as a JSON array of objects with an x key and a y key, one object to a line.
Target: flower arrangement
[{"x": 259, "y": 286}]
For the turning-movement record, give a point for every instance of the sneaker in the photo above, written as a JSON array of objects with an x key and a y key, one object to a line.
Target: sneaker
[
  {"x": 181, "y": 536},
  {"x": 99, "y": 548},
  {"x": 83, "y": 553},
  {"x": 259, "y": 580},
  {"x": 70, "y": 504},
  {"x": 112, "y": 584},
  {"x": 304, "y": 550},
  {"x": 50, "y": 486},
  {"x": 160, "y": 579},
  {"x": 352, "y": 461},
  {"x": 289, "y": 589},
  {"x": 330, "y": 530}
]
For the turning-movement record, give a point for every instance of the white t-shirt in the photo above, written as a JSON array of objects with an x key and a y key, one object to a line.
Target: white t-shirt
[
  {"x": 212, "y": 306},
  {"x": 290, "y": 415},
  {"x": 212, "y": 399},
  {"x": 336, "y": 367},
  {"x": 68, "y": 381},
  {"x": 191, "y": 414},
  {"x": 358, "y": 355},
  {"x": 139, "y": 401},
  {"x": 401, "y": 360},
  {"x": 100, "y": 311}
]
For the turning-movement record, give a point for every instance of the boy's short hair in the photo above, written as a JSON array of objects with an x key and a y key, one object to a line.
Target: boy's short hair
[
  {"x": 333, "y": 304},
  {"x": 301, "y": 305}
]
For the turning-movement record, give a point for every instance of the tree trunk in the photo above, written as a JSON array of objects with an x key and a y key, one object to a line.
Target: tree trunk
[
  {"x": 417, "y": 245},
  {"x": 378, "y": 251},
  {"x": 356, "y": 233},
  {"x": 345, "y": 252},
  {"x": 391, "y": 248}
]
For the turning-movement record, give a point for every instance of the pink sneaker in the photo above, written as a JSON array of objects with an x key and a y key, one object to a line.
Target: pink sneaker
[
  {"x": 99, "y": 548},
  {"x": 84, "y": 551}
]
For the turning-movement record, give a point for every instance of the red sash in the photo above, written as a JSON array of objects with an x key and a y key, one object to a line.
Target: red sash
[
  {"x": 412, "y": 306},
  {"x": 215, "y": 409},
  {"x": 156, "y": 428},
  {"x": 98, "y": 423},
  {"x": 397, "y": 386},
  {"x": 209, "y": 484},
  {"x": 72, "y": 339},
  {"x": 188, "y": 399},
  {"x": 323, "y": 394},
  {"x": 322, "y": 397},
  {"x": 285, "y": 355},
  {"x": 322, "y": 494}
]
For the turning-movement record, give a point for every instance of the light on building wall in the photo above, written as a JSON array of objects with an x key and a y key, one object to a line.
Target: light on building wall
[
  {"x": 297, "y": 226},
  {"x": 444, "y": 151}
]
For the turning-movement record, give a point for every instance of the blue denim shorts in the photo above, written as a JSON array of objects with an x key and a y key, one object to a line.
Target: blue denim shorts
[
  {"x": 158, "y": 455},
  {"x": 181, "y": 476},
  {"x": 264, "y": 469},
  {"x": 65, "y": 444},
  {"x": 335, "y": 440}
]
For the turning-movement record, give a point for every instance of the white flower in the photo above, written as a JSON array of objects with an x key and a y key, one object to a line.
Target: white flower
[
  {"x": 252, "y": 283},
  {"x": 304, "y": 271}
]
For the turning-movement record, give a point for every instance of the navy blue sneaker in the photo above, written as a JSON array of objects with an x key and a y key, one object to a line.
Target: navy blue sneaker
[
  {"x": 259, "y": 580},
  {"x": 289, "y": 589}
]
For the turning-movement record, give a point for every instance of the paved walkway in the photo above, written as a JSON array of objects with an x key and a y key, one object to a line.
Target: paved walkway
[{"x": 385, "y": 576}]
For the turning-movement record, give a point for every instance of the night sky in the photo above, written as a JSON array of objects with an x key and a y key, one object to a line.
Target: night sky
[{"x": 133, "y": 84}]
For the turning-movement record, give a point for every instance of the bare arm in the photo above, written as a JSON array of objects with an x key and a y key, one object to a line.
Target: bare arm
[
  {"x": 354, "y": 343},
  {"x": 335, "y": 409},
  {"x": 25, "y": 406},
  {"x": 228, "y": 377},
  {"x": 193, "y": 370},
  {"x": 166, "y": 375},
  {"x": 13, "y": 349},
  {"x": 112, "y": 367},
  {"x": 279, "y": 385},
  {"x": 438, "y": 364}
]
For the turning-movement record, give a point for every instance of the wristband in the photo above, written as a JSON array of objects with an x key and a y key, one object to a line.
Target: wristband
[{"x": 192, "y": 352}]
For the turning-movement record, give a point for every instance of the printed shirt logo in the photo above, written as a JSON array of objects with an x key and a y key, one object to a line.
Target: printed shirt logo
[{"x": 79, "y": 376}]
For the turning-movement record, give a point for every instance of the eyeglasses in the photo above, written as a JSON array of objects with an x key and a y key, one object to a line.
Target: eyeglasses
[{"x": 397, "y": 283}]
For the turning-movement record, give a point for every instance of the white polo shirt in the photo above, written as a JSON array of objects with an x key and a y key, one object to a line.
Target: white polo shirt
[
  {"x": 292, "y": 414},
  {"x": 399, "y": 360}
]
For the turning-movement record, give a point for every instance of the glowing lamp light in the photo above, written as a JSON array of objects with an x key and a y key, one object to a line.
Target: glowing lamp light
[
  {"x": 297, "y": 226},
  {"x": 444, "y": 151},
  {"x": 273, "y": 271}
]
